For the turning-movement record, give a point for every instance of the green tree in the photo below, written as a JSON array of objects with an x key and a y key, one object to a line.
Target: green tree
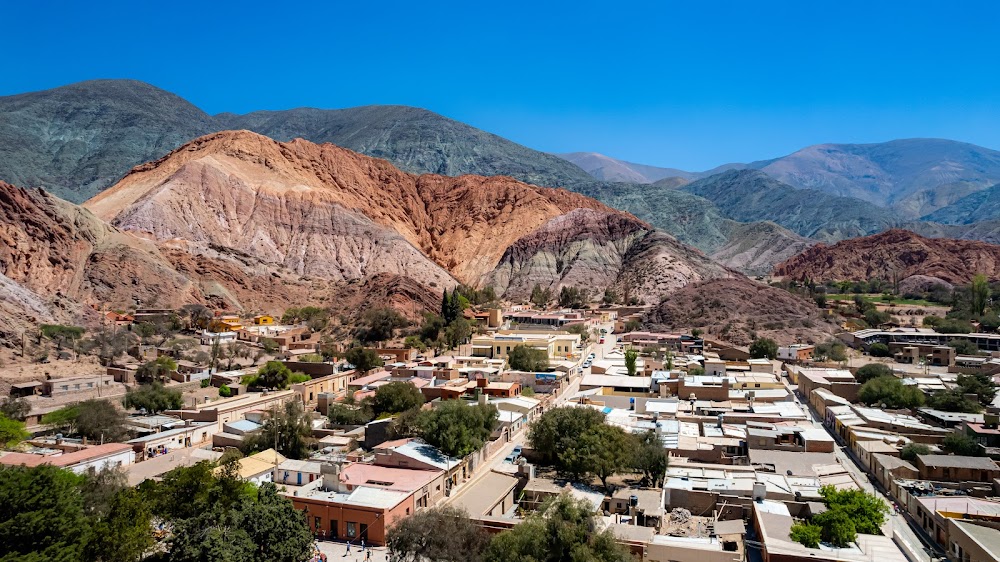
[
  {"x": 980, "y": 294},
  {"x": 762, "y": 348},
  {"x": 529, "y": 359},
  {"x": 363, "y": 359},
  {"x": 556, "y": 433},
  {"x": 124, "y": 532},
  {"x": 962, "y": 445},
  {"x": 964, "y": 346},
  {"x": 265, "y": 526},
  {"x": 837, "y": 527},
  {"x": 288, "y": 429},
  {"x": 650, "y": 459},
  {"x": 820, "y": 300},
  {"x": 610, "y": 296},
  {"x": 980, "y": 385},
  {"x": 396, "y": 397},
  {"x": 807, "y": 534},
  {"x": 631, "y": 357},
  {"x": 12, "y": 432},
  {"x": 15, "y": 408},
  {"x": 910, "y": 451},
  {"x": 458, "y": 429},
  {"x": 379, "y": 324},
  {"x": 225, "y": 391},
  {"x": 574, "y": 297},
  {"x": 457, "y": 332},
  {"x": 344, "y": 414},
  {"x": 872, "y": 371},
  {"x": 832, "y": 350},
  {"x": 563, "y": 529},
  {"x": 41, "y": 514},
  {"x": 274, "y": 374},
  {"x": 867, "y": 511},
  {"x": 954, "y": 400},
  {"x": 154, "y": 398},
  {"x": 157, "y": 370},
  {"x": 444, "y": 534},
  {"x": 891, "y": 392},
  {"x": 606, "y": 450},
  {"x": 540, "y": 297},
  {"x": 99, "y": 420},
  {"x": 879, "y": 350},
  {"x": 62, "y": 336}
]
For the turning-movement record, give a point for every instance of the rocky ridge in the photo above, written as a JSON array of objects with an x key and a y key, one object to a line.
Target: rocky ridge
[{"x": 894, "y": 255}]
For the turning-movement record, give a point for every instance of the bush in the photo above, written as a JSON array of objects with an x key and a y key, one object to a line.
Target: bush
[
  {"x": 298, "y": 377},
  {"x": 832, "y": 350},
  {"x": 274, "y": 374},
  {"x": 154, "y": 398},
  {"x": 763, "y": 348},
  {"x": 524, "y": 358},
  {"x": 806, "y": 534},
  {"x": 962, "y": 445},
  {"x": 205, "y": 383},
  {"x": 963, "y": 346},
  {"x": 879, "y": 350},
  {"x": 225, "y": 392},
  {"x": 910, "y": 451},
  {"x": 872, "y": 371},
  {"x": 891, "y": 392}
]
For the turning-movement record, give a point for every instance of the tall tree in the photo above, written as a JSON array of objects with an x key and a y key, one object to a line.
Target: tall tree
[
  {"x": 631, "y": 358},
  {"x": 980, "y": 294},
  {"x": 763, "y": 348},
  {"x": 562, "y": 530},
  {"x": 525, "y": 358},
  {"x": 363, "y": 359},
  {"x": 444, "y": 534},
  {"x": 274, "y": 374},
  {"x": 605, "y": 450},
  {"x": 456, "y": 428},
  {"x": 288, "y": 429},
  {"x": 396, "y": 397}
]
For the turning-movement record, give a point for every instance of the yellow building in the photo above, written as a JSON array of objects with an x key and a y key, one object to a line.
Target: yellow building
[
  {"x": 558, "y": 345},
  {"x": 263, "y": 320}
]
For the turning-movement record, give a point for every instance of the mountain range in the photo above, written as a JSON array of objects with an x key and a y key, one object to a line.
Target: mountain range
[
  {"x": 238, "y": 220},
  {"x": 76, "y": 141}
]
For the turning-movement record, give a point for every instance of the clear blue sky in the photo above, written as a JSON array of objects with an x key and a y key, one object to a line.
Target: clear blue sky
[{"x": 683, "y": 84}]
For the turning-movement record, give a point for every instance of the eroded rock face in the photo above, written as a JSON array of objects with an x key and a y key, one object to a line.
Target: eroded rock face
[
  {"x": 321, "y": 210},
  {"x": 895, "y": 254}
]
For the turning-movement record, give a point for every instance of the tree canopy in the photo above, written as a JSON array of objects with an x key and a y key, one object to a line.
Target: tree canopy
[
  {"x": 363, "y": 359},
  {"x": 561, "y": 530},
  {"x": 763, "y": 348},
  {"x": 891, "y": 392},
  {"x": 457, "y": 428},
  {"x": 157, "y": 370},
  {"x": 288, "y": 429},
  {"x": 154, "y": 398},
  {"x": 872, "y": 371},
  {"x": 274, "y": 374},
  {"x": 525, "y": 358},
  {"x": 444, "y": 534},
  {"x": 396, "y": 397}
]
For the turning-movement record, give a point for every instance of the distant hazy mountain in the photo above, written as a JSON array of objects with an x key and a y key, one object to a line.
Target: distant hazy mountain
[
  {"x": 980, "y": 206},
  {"x": 606, "y": 168},
  {"x": 751, "y": 195},
  {"x": 79, "y": 139},
  {"x": 886, "y": 173},
  {"x": 415, "y": 140}
]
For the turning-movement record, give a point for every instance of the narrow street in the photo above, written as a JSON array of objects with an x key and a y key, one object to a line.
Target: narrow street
[{"x": 896, "y": 524}]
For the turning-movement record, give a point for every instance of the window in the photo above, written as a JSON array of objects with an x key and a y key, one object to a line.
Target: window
[
  {"x": 352, "y": 529},
  {"x": 317, "y": 524}
]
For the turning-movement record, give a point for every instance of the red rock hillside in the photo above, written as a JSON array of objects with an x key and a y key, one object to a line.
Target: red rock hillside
[{"x": 894, "y": 254}]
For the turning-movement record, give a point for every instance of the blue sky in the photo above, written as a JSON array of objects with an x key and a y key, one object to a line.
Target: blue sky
[{"x": 689, "y": 85}]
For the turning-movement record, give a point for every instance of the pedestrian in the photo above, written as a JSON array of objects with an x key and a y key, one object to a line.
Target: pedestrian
[
  {"x": 362, "y": 543},
  {"x": 348, "y": 548}
]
